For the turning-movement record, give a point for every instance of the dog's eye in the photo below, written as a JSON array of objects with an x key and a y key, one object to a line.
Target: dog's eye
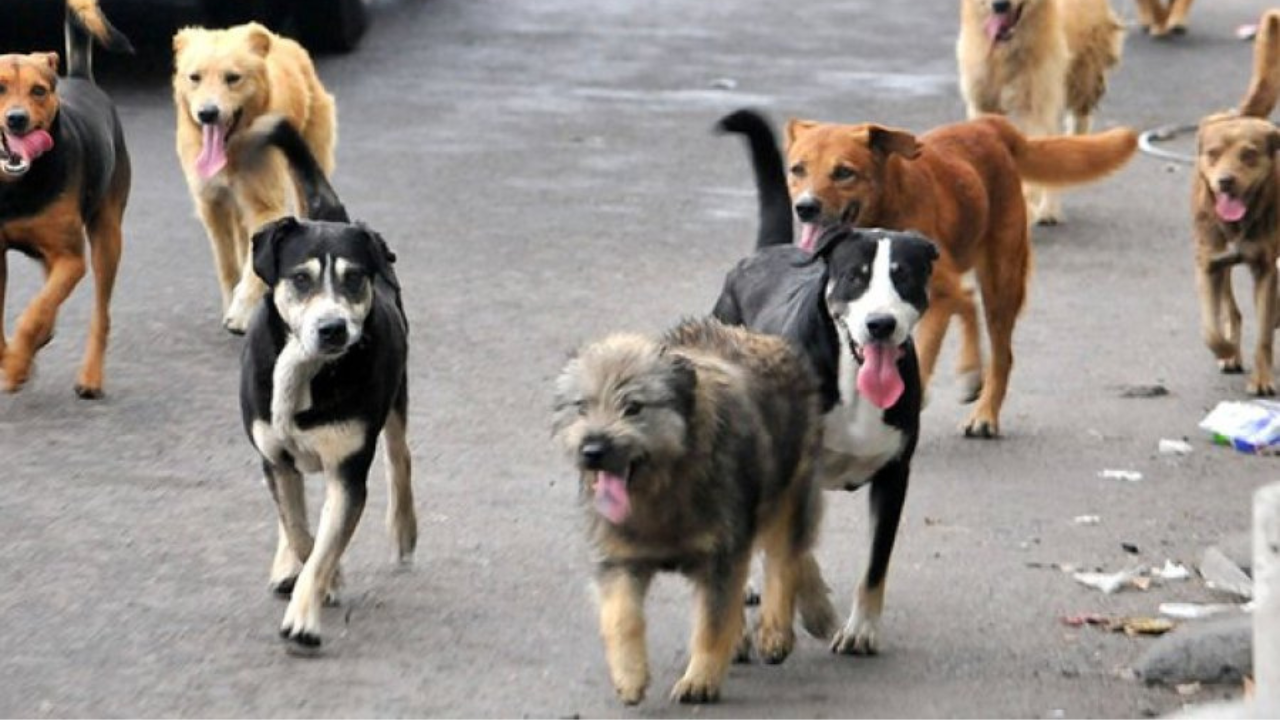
[
  {"x": 1249, "y": 156},
  {"x": 232, "y": 78},
  {"x": 3, "y": 89},
  {"x": 39, "y": 91},
  {"x": 301, "y": 281},
  {"x": 1213, "y": 154},
  {"x": 632, "y": 409},
  {"x": 843, "y": 173},
  {"x": 352, "y": 283},
  {"x": 798, "y": 170},
  {"x": 194, "y": 77}
]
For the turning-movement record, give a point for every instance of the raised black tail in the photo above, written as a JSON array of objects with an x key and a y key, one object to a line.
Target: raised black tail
[
  {"x": 86, "y": 23},
  {"x": 771, "y": 180},
  {"x": 277, "y": 131}
]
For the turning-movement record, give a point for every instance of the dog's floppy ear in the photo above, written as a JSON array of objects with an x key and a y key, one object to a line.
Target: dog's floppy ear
[
  {"x": 266, "y": 247},
  {"x": 684, "y": 383},
  {"x": 797, "y": 127},
  {"x": 181, "y": 38},
  {"x": 926, "y": 244},
  {"x": 888, "y": 141},
  {"x": 259, "y": 39},
  {"x": 383, "y": 258}
]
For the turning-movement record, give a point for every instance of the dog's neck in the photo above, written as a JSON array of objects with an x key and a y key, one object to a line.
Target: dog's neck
[{"x": 291, "y": 384}]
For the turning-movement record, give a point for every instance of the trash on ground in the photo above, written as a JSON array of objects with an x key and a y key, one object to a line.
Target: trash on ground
[
  {"x": 1220, "y": 573},
  {"x": 724, "y": 83},
  {"x": 1197, "y": 611},
  {"x": 1087, "y": 520},
  {"x": 1128, "y": 625},
  {"x": 1130, "y": 548},
  {"x": 1171, "y": 571},
  {"x": 1190, "y": 688},
  {"x": 1108, "y": 583},
  {"x": 1143, "y": 391},
  {"x": 1174, "y": 447},
  {"x": 1085, "y": 619},
  {"x": 1127, "y": 475},
  {"x": 1247, "y": 32},
  {"x": 1250, "y": 427}
]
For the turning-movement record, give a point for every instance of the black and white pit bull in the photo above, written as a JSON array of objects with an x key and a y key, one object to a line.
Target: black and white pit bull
[{"x": 850, "y": 307}]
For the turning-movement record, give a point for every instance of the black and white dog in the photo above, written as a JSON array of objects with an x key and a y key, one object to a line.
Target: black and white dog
[
  {"x": 850, "y": 307},
  {"x": 322, "y": 374}
]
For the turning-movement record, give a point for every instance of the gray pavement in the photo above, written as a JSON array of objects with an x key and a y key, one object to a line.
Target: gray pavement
[{"x": 546, "y": 174}]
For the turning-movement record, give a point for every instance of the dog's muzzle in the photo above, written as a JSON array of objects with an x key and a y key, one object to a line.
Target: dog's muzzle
[{"x": 332, "y": 336}]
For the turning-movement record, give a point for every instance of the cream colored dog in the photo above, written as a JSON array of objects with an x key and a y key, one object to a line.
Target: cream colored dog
[
  {"x": 1036, "y": 61},
  {"x": 222, "y": 81}
]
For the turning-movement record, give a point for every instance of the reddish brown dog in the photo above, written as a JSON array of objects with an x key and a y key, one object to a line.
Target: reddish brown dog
[{"x": 960, "y": 185}]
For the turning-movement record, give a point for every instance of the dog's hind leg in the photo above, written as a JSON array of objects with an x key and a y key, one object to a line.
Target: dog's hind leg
[
  {"x": 105, "y": 243},
  {"x": 4, "y": 282},
  {"x": 1264, "y": 303},
  {"x": 969, "y": 359},
  {"x": 1176, "y": 22},
  {"x": 345, "y": 494},
  {"x": 1003, "y": 283},
  {"x": 621, "y": 594},
  {"x": 946, "y": 298},
  {"x": 861, "y": 633},
  {"x": 717, "y": 628},
  {"x": 221, "y": 222},
  {"x": 402, "y": 521}
]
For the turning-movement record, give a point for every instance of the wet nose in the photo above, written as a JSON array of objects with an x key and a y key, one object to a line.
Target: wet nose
[
  {"x": 1001, "y": 6},
  {"x": 17, "y": 120},
  {"x": 593, "y": 452},
  {"x": 208, "y": 114},
  {"x": 1226, "y": 184},
  {"x": 881, "y": 325},
  {"x": 808, "y": 209},
  {"x": 332, "y": 334}
]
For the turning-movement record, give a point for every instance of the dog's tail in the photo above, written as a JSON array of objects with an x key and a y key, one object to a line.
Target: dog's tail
[
  {"x": 771, "y": 181},
  {"x": 276, "y": 131},
  {"x": 86, "y": 23},
  {"x": 1264, "y": 87},
  {"x": 1066, "y": 159}
]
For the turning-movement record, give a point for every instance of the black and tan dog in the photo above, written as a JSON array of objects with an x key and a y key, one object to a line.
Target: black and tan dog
[
  {"x": 323, "y": 373},
  {"x": 64, "y": 170},
  {"x": 692, "y": 450},
  {"x": 850, "y": 308}
]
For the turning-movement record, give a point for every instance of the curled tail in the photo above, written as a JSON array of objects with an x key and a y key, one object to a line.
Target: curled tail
[
  {"x": 1264, "y": 87},
  {"x": 276, "y": 131},
  {"x": 771, "y": 180},
  {"x": 86, "y": 23},
  {"x": 1066, "y": 159}
]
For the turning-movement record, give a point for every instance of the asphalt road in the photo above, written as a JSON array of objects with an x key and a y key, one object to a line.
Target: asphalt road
[{"x": 546, "y": 174}]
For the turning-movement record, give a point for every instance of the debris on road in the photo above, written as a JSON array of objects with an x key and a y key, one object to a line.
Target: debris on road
[
  {"x": 1152, "y": 390},
  {"x": 1220, "y": 573},
  {"x": 1250, "y": 427},
  {"x": 1130, "y": 548},
  {"x": 1174, "y": 447},
  {"x": 1171, "y": 571},
  {"x": 724, "y": 83},
  {"x": 1087, "y": 520},
  {"x": 1108, "y": 583},
  {"x": 1198, "y": 611},
  {"x": 1128, "y": 625},
  {"x": 1126, "y": 475},
  {"x": 1185, "y": 689}
]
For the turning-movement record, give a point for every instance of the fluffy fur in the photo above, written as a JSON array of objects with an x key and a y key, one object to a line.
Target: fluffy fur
[
  {"x": 64, "y": 175},
  {"x": 1037, "y": 62},
  {"x": 224, "y": 80},
  {"x": 692, "y": 450},
  {"x": 961, "y": 186}
]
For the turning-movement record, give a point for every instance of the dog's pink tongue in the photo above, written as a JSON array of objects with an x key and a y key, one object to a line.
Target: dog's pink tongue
[
  {"x": 32, "y": 145},
  {"x": 612, "y": 500},
  {"x": 1229, "y": 208},
  {"x": 808, "y": 236},
  {"x": 997, "y": 24},
  {"x": 213, "y": 153},
  {"x": 878, "y": 379}
]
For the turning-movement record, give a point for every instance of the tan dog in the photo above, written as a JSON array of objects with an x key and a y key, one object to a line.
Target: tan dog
[
  {"x": 223, "y": 80},
  {"x": 1036, "y": 61},
  {"x": 960, "y": 185},
  {"x": 1163, "y": 17}
]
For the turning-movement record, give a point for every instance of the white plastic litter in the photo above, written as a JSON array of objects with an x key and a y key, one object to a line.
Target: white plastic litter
[
  {"x": 1108, "y": 583},
  {"x": 1087, "y": 520},
  {"x": 1250, "y": 427},
  {"x": 1171, "y": 571},
  {"x": 1197, "y": 611},
  {"x": 1174, "y": 447},
  {"x": 1126, "y": 475}
]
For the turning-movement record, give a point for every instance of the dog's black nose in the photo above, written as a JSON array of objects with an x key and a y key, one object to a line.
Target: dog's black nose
[
  {"x": 881, "y": 325},
  {"x": 593, "y": 452},
  {"x": 808, "y": 209},
  {"x": 208, "y": 114},
  {"x": 1226, "y": 184},
  {"x": 332, "y": 334},
  {"x": 1001, "y": 7},
  {"x": 17, "y": 120}
]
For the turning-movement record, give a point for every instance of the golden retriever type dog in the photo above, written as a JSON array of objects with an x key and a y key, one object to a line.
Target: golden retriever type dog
[
  {"x": 223, "y": 80},
  {"x": 1163, "y": 17},
  {"x": 960, "y": 185},
  {"x": 1036, "y": 61}
]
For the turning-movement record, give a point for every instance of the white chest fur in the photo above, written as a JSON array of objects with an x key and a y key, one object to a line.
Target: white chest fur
[{"x": 856, "y": 440}]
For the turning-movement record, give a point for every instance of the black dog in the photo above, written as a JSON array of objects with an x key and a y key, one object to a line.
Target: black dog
[
  {"x": 850, "y": 308},
  {"x": 323, "y": 372}
]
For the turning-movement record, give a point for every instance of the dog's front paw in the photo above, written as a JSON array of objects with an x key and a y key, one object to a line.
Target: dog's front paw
[
  {"x": 696, "y": 690},
  {"x": 631, "y": 690},
  {"x": 1259, "y": 387},
  {"x": 17, "y": 370},
  {"x": 774, "y": 644},
  {"x": 861, "y": 636},
  {"x": 239, "y": 312},
  {"x": 984, "y": 428},
  {"x": 301, "y": 626},
  {"x": 1230, "y": 366}
]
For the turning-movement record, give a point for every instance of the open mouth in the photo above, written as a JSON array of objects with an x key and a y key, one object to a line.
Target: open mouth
[
  {"x": 1000, "y": 26},
  {"x": 810, "y": 232},
  {"x": 213, "y": 148},
  {"x": 1230, "y": 208},
  {"x": 611, "y": 493},
  {"x": 878, "y": 378},
  {"x": 17, "y": 152}
]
